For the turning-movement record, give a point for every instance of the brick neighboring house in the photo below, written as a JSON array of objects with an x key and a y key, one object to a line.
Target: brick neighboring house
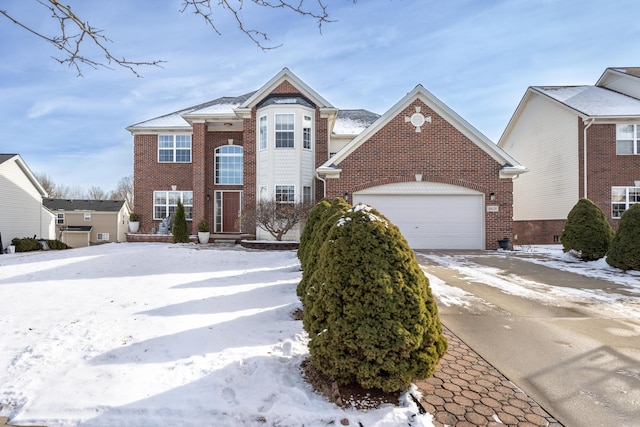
[
  {"x": 80, "y": 223},
  {"x": 433, "y": 174},
  {"x": 552, "y": 129}
]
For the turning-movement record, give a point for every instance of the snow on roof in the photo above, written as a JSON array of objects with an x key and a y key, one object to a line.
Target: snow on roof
[
  {"x": 593, "y": 100},
  {"x": 353, "y": 122}
]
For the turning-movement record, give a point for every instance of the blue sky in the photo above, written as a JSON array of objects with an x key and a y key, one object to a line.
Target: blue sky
[{"x": 477, "y": 56}]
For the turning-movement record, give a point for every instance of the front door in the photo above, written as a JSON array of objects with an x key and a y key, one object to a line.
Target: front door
[{"x": 230, "y": 211}]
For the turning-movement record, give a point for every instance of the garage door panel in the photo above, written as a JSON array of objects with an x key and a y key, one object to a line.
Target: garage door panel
[{"x": 433, "y": 221}]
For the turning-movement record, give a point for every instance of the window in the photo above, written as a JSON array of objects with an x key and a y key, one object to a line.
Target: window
[
  {"x": 627, "y": 139},
  {"x": 622, "y": 198},
  {"x": 306, "y": 133},
  {"x": 87, "y": 216},
  {"x": 284, "y": 131},
  {"x": 306, "y": 194},
  {"x": 103, "y": 236},
  {"x": 174, "y": 148},
  {"x": 165, "y": 203},
  {"x": 263, "y": 132},
  {"x": 285, "y": 194},
  {"x": 60, "y": 219},
  {"x": 229, "y": 165}
]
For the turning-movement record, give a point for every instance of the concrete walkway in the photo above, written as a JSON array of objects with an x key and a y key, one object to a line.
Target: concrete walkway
[{"x": 579, "y": 361}]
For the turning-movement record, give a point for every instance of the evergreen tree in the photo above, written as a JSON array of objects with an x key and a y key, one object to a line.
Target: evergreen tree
[
  {"x": 180, "y": 232},
  {"x": 624, "y": 252},
  {"x": 586, "y": 231},
  {"x": 313, "y": 221},
  {"x": 373, "y": 321},
  {"x": 329, "y": 216}
]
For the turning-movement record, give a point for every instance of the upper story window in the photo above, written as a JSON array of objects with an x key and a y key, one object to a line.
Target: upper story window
[
  {"x": 174, "y": 148},
  {"x": 60, "y": 218},
  {"x": 87, "y": 216},
  {"x": 285, "y": 130},
  {"x": 165, "y": 203},
  {"x": 263, "y": 132},
  {"x": 306, "y": 133},
  {"x": 622, "y": 198},
  {"x": 627, "y": 139},
  {"x": 229, "y": 165}
]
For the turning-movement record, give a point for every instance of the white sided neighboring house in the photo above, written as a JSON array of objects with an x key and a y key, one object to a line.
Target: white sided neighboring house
[
  {"x": 80, "y": 223},
  {"x": 22, "y": 213}
]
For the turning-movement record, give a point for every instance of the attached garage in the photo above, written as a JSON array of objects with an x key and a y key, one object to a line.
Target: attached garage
[{"x": 431, "y": 215}]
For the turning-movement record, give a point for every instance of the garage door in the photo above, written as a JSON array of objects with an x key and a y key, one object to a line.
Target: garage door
[{"x": 430, "y": 215}]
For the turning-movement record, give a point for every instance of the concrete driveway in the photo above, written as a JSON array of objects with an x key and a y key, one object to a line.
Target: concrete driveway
[{"x": 578, "y": 358}]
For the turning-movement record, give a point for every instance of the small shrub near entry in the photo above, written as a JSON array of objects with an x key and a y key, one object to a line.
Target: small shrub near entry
[
  {"x": 180, "y": 232},
  {"x": 624, "y": 251},
  {"x": 586, "y": 231},
  {"x": 373, "y": 321}
]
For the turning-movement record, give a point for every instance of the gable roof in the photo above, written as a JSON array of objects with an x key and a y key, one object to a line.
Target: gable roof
[
  {"x": 84, "y": 205},
  {"x": 510, "y": 165},
  {"x": 353, "y": 122},
  {"x": 592, "y": 101},
  {"x": 6, "y": 158}
]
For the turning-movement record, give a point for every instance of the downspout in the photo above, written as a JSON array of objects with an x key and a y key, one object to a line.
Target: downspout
[
  {"x": 584, "y": 160},
  {"x": 324, "y": 185}
]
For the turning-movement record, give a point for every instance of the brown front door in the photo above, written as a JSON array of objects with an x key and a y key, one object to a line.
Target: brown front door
[{"x": 230, "y": 211}]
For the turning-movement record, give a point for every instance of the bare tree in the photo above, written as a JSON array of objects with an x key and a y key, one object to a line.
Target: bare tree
[
  {"x": 275, "y": 218},
  {"x": 55, "y": 191},
  {"x": 75, "y": 31},
  {"x": 124, "y": 190},
  {"x": 96, "y": 193}
]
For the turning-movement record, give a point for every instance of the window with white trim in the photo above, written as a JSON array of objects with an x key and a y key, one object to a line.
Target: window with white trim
[
  {"x": 165, "y": 203},
  {"x": 103, "y": 236},
  {"x": 60, "y": 219},
  {"x": 306, "y": 133},
  {"x": 263, "y": 132},
  {"x": 627, "y": 139},
  {"x": 228, "y": 165},
  {"x": 87, "y": 216},
  {"x": 285, "y": 194},
  {"x": 285, "y": 130},
  {"x": 622, "y": 198},
  {"x": 174, "y": 148},
  {"x": 306, "y": 195}
]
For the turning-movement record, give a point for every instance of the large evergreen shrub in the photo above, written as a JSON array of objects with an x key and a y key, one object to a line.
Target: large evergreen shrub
[
  {"x": 312, "y": 248},
  {"x": 624, "y": 251},
  {"x": 180, "y": 231},
  {"x": 313, "y": 221},
  {"x": 586, "y": 231},
  {"x": 373, "y": 321}
]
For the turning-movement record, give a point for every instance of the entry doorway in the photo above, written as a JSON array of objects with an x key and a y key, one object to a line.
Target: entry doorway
[{"x": 228, "y": 205}]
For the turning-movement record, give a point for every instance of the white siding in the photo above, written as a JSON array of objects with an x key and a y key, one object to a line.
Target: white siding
[
  {"x": 546, "y": 135},
  {"x": 21, "y": 204}
]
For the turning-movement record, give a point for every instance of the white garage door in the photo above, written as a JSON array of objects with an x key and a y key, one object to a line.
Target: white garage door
[{"x": 430, "y": 215}]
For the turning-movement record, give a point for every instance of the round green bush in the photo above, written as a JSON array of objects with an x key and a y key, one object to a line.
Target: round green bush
[
  {"x": 586, "y": 231},
  {"x": 373, "y": 320},
  {"x": 315, "y": 240},
  {"x": 313, "y": 221},
  {"x": 624, "y": 251}
]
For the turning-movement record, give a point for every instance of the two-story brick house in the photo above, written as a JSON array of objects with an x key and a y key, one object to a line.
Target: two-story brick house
[
  {"x": 578, "y": 142},
  {"x": 432, "y": 173}
]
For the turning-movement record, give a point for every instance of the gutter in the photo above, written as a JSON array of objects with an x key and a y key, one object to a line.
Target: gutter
[{"x": 584, "y": 153}]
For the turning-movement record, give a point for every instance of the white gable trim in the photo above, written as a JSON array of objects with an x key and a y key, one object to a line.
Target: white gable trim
[
  {"x": 27, "y": 172},
  {"x": 422, "y": 94}
]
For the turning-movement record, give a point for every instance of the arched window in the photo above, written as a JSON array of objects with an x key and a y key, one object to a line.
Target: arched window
[{"x": 229, "y": 165}]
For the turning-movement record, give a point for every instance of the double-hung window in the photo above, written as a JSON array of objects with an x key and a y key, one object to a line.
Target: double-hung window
[
  {"x": 165, "y": 203},
  {"x": 174, "y": 148},
  {"x": 306, "y": 133},
  {"x": 285, "y": 130},
  {"x": 263, "y": 133},
  {"x": 229, "y": 165},
  {"x": 627, "y": 139},
  {"x": 622, "y": 198},
  {"x": 60, "y": 219},
  {"x": 285, "y": 194}
]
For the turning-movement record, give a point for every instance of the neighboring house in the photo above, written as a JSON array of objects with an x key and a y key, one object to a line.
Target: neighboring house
[
  {"x": 552, "y": 129},
  {"x": 435, "y": 176},
  {"x": 80, "y": 223},
  {"x": 22, "y": 213}
]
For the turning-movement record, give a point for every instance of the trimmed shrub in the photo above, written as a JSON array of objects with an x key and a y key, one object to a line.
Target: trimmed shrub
[
  {"x": 313, "y": 221},
  {"x": 373, "y": 320},
  {"x": 180, "y": 232},
  {"x": 624, "y": 251},
  {"x": 57, "y": 245},
  {"x": 329, "y": 217},
  {"x": 26, "y": 244},
  {"x": 586, "y": 231}
]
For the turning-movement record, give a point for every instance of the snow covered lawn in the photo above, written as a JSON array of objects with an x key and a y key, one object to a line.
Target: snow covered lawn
[{"x": 149, "y": 334}]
